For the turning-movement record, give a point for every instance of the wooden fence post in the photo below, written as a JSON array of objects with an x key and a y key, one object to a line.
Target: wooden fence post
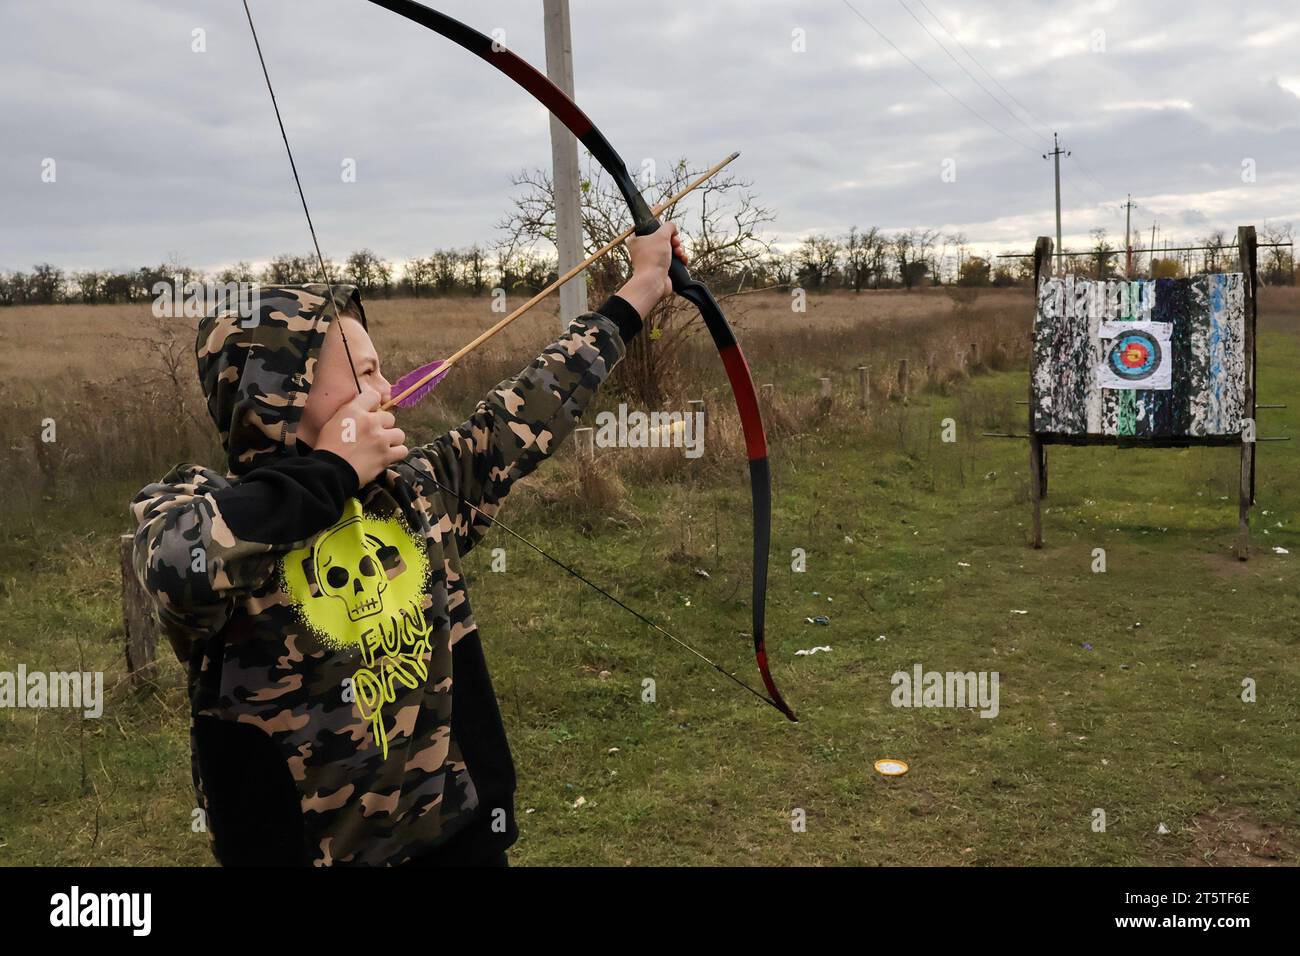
[
  {"x": 903, "y": 379},
  {"x": 864, "y": 385}
]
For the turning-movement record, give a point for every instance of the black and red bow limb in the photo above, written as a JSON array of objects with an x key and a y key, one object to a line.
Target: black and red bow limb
[{"x": 695, "y": 292}]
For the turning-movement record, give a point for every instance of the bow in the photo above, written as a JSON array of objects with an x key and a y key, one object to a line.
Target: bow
[{"x": 563, "y": 108}]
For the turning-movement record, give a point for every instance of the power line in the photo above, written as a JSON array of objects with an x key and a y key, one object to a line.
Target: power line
[
  {"x": 922, "y": 70},
  {"x": 970, "y": 109},
  {"x": 973, "y": 59},
  {"x": 962, "y": 67},
  {"x": 1083, "y": 169}
]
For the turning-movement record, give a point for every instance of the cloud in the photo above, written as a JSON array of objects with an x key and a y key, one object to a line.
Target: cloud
[{"x": 162, "y": 151}]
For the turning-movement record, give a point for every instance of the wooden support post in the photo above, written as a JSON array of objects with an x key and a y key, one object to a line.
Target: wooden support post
[
  {"x": 1042, "y": 469},
  {"x": 1036, "y": 487},
  {"x": 904, "y": 378},
  {"x": 931, "y": 367},
  {"x": 826, "y": 389},
  {"x": 974, "y": 355},
  {"x": 1243, "y": 501},
  {"x": 767, "y": 393},
  {"x": 586, "y": 441},
  {"x": 141, "y": 630},
  {"x": 1037, "y": 453},
  {"x": 864, "y": 386},
  {"x": 1247, "y": 251}
]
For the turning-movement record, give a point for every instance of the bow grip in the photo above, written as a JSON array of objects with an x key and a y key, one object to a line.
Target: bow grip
[{"x": 678, "y": 274}]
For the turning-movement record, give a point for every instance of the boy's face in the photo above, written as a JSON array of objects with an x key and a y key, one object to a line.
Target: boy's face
[{"x": 333, "y": 386}]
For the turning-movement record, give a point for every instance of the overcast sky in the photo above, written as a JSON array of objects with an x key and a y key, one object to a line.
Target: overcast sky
[{"x": 163, "y": 152}]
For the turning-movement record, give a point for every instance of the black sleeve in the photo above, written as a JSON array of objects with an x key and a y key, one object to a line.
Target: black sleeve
[
  {"x": 622, "y": 313},
  {"x": 289, "y": 500}
]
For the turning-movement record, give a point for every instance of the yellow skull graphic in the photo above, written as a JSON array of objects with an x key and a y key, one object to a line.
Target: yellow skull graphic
[
  {"x": 358, "y": 580},
  {"x": 357, "y": 577}
]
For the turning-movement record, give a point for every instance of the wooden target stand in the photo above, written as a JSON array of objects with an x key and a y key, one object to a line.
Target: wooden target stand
[{"x": 1246, "y": 440}]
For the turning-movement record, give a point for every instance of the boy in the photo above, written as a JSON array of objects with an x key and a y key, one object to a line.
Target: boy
[{"x": 342, "y": 711}]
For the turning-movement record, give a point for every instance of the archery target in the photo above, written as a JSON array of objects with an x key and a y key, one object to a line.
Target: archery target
[{"x": 1135, "y": 356}]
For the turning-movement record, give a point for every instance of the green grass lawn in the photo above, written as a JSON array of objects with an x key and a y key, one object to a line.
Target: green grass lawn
[{"x": 1119, "y": 691}]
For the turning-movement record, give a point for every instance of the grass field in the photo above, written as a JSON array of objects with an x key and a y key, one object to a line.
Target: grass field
[{"x": 1120, "y": 691}]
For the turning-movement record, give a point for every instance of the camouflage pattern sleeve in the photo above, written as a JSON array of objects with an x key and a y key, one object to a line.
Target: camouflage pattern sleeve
[
  {"x": 519, "y": 424},
  {"x": 187, "y": 558}
]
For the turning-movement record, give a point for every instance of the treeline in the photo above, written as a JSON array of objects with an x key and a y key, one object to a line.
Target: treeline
[
  {"x": 856, "y": 261},
  {"x": 917, "y": 257},
  {"x": 859, "y": 260},
  {"x": 470, "y": 271}
]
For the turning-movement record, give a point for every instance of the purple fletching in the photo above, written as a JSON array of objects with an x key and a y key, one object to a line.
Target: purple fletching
[{"x": 410, "y": 378}]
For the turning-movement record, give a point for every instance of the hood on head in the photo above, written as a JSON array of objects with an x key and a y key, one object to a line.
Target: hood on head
[{"x": 256, "y": 366}]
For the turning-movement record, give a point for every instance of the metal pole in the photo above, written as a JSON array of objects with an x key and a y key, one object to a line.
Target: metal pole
[
  {"x": 1056, "y": 157},
  {"x": 1128, "y": 243}
]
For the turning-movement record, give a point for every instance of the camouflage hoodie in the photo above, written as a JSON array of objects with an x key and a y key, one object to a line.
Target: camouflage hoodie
[{"x": 345, "y": 660}]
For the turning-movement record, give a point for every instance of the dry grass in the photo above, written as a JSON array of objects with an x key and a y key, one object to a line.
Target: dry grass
[{"x": 120, "y": 388}]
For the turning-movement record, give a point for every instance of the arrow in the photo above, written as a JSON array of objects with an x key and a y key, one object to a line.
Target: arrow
[{"x": 416, "y": 384}]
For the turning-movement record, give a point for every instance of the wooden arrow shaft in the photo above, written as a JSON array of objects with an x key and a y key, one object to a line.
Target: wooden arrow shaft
[{"x": 576, "y": 270}]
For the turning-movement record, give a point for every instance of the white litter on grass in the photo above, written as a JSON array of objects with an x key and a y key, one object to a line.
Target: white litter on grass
[
  {"x": 1162, "y": 829},
  {"x": 1018, "y": 611},
  {"x": 803, "y": 652},
  {"x": 1277, "y": 550},
  {"x": 962, "y": 564}
]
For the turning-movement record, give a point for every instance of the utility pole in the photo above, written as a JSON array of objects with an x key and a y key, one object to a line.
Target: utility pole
[
  {"x": 1151, "y": 251},
  {"x": 564, "y": 162},
  {"x": 1056, "y": 157},
  {"x": 1128, "y": 245}
]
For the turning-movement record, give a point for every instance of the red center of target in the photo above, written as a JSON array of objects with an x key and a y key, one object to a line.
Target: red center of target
[{"x": 1134, "y": 355}]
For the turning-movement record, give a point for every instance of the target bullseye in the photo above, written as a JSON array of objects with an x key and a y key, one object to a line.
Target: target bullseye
[{"x": 1135, "y": 356}]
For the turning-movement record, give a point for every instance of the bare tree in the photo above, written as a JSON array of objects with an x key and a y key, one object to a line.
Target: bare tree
[
  {"x": 1279, "y": 261},
  {"x": 864, "y": 254},
  {"x": 816, "y": 259}
]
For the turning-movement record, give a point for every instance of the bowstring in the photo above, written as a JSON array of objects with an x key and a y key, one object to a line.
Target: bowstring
[
  {"x": 325, "y": 273},
  {"x": 496, "y": 522}
]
